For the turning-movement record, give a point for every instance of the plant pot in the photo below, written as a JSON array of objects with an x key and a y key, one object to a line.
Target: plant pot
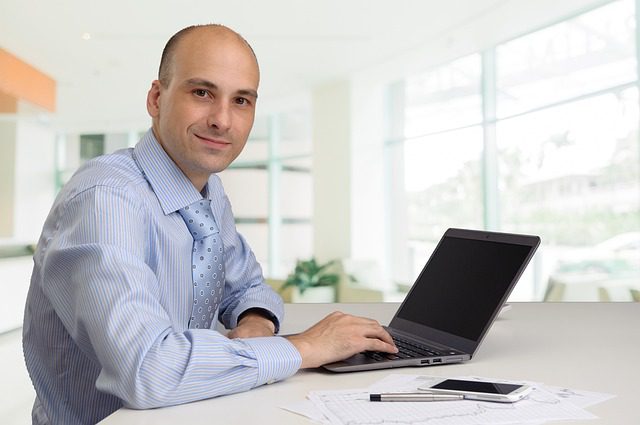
[{"x": 318, "y": 294}]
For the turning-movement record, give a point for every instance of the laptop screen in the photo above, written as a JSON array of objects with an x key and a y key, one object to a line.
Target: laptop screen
[{"x": 462, "y": 285}]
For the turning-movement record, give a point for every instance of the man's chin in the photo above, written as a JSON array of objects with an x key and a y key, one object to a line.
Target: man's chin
[{"x": 218, "y": 166}]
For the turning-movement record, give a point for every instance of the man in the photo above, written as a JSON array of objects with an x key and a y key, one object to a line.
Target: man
[{"x": 112, "y": 316}]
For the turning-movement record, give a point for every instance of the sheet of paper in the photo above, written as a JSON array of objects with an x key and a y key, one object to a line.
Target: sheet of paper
[
  {"x": 353, "y": 407},
  {"x": 307, "y": 409},
  {"x": 579, "y": 398}
]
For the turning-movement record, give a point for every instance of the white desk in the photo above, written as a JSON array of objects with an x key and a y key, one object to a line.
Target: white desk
[{"x": 587, "y": 346}]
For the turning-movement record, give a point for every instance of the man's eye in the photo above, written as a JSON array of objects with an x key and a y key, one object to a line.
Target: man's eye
[
  {"x": 200, "y": 92},
  {"x": 242, "y": 101}
]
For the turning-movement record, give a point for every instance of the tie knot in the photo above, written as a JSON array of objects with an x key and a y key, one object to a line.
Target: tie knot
[{"x": 199, "y": 219}]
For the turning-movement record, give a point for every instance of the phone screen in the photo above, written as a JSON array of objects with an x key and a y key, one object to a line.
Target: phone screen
[{"x": 476, "y": 386}]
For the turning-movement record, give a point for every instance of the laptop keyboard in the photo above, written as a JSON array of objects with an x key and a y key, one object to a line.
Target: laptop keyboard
[{"x": 406, "y": 350}]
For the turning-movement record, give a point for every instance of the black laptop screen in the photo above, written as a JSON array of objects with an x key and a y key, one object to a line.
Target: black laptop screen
[{"x": 462, "y": 285}]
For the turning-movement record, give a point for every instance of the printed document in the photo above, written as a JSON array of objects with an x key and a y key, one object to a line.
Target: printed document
[{"x": 353, "y": 407}]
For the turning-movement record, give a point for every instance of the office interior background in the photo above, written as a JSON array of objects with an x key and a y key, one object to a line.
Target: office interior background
[{"x": 379, "y": 126}]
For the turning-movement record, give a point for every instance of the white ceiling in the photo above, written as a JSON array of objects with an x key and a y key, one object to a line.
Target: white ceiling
[{"x": 102, "y": 81}]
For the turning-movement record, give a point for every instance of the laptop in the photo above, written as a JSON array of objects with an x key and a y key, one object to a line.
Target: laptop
[{"x": 453, "y": 302}]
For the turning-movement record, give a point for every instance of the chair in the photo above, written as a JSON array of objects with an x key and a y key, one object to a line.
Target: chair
[
  {"x": 358, "y": 291},
  {"x": 603, "y": 294},
  {"x": 555, "y": 291}
]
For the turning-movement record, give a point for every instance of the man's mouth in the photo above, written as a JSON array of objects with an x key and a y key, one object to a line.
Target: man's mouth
[{"x": 213, "y": 141}]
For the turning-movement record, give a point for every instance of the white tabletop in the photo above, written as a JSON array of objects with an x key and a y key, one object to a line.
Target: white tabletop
[{"x": 586, "y": 346}]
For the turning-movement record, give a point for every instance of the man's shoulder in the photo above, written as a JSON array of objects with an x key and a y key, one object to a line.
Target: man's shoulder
[{"x": 117, "y": 171}]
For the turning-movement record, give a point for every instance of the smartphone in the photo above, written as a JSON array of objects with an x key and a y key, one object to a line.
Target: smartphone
[{"x": 481, "y": 390}]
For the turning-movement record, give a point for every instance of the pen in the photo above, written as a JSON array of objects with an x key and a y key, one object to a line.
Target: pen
[{"x": 414, "y": 397}]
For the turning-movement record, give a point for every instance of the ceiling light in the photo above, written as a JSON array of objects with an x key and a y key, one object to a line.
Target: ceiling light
[{"x": 86, "y": 36}]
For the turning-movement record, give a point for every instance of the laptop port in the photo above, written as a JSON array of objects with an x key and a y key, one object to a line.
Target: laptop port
[
  {"x": 437, "y": 360},
  {"x": 425, "y": 361}
]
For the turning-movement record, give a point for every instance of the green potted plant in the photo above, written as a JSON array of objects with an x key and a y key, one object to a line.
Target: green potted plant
[{"x": 312, "y": 282}]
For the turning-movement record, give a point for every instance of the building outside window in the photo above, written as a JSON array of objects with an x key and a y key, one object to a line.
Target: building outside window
[{"x": 536, "y": 135}]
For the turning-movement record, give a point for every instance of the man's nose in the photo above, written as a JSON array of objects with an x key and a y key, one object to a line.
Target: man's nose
[{"x": 220, "y": 116}]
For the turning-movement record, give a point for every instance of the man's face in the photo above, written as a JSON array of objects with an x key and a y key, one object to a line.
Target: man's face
[{"x": 203, "y": 116}]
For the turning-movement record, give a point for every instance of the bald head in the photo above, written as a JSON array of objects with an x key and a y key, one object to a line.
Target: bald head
[
  {"x": 203, "y": 104},
  {"x": 165, "y": 72}
]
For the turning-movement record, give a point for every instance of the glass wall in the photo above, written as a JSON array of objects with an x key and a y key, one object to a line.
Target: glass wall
[{"x": 537, "y": 135}]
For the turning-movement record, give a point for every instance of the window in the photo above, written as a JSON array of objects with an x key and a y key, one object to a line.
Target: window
[
  {"x": 590, "y": 53},
  {"x": 539, "y": 136},
  {"x": 444, "y": 98}
]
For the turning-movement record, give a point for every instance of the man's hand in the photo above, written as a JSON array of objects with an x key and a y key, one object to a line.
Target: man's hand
[
  {"x": 339, "y": 336},
  {"x": 252, "y": 325}
]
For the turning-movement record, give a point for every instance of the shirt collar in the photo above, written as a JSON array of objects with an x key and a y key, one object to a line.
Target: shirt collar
[{"x": 172, "y": 188}]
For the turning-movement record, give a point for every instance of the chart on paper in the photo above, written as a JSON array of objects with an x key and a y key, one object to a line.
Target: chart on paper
[{"x": 352, "y": 407}]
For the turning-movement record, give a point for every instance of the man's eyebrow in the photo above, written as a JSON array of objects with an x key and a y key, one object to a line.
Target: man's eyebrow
[
  {"x": 208, "y": 84},
  {"x": 248, "y": 92}
]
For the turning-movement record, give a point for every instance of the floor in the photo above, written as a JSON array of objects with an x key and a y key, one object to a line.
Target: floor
[{"x": 16, "y": 392}]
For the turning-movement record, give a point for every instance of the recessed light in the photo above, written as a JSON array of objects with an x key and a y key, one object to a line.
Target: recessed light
[{"x": 86, "y": 36}]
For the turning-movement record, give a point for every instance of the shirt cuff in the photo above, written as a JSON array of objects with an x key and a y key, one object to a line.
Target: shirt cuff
[{"x": 277, "y": 358}]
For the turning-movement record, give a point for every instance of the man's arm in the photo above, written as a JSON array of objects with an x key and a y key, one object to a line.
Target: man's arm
[
  {"x": 334, "y": 338},
  {"x": 109, "y": 300}
]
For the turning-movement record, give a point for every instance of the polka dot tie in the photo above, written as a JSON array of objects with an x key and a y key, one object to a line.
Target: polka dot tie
[{"x": 207, "y": 263}]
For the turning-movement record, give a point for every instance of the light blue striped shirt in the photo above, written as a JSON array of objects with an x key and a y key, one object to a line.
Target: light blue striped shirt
[{"x": 106, "y": 320}]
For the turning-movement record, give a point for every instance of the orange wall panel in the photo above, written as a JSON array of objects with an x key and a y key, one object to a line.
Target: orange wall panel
[
  {"x": 22, "y": 81},
  {"x": 8, "y": 104}
]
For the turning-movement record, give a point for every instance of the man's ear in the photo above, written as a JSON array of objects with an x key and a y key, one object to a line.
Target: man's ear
[{"x": 153, "y": 99}]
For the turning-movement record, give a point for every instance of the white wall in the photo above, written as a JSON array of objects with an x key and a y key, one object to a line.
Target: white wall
[
  {"x": 331, "y": 171},
  {"x": 14, "y": 284},
  {"x": 34, "y": 177},
  {"x": 116, "y": 141},
  {"x": 7, "y": 176}
]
